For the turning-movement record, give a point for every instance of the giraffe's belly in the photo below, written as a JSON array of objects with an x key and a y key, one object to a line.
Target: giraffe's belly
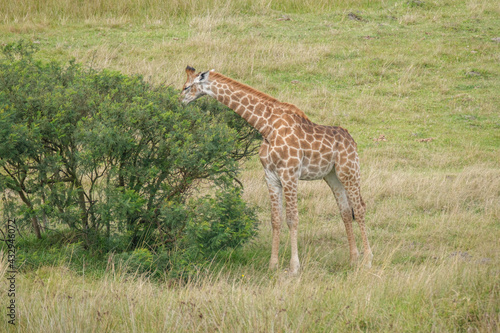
[
  {"x": 312, "y": 172},
  {"x": 316, "y": 164}
]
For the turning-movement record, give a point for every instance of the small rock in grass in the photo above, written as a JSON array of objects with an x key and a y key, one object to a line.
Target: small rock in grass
[
  {"x": 284, "y": 18},
  {"x": 354, "y": 17},
  {"x": 380, "y": 138},
  {"x": 425, "y": 140},
  {"x": 473, "y": 73}
]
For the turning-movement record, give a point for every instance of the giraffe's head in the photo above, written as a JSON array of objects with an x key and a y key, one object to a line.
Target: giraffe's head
[{"x": 197, "y": 85}]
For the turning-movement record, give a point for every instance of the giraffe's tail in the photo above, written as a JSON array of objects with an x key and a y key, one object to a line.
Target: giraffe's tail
[{"x": 352, "y": 209}]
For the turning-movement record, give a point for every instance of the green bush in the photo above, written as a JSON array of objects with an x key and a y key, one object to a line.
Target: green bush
[
  {"x": 60, "y": 248},
  {"x": 139, "y": 260},
  {"x": 219, "y": 223},
  {"x": 215, "y": 224},
  {"x": 112, "y": 157}
]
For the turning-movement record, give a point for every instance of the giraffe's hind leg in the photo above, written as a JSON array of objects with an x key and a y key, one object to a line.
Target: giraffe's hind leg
[
  {"x": 345, "y": 211},
  {"x": 348, "y": 176},
  {"x": 359, "y": 210}
]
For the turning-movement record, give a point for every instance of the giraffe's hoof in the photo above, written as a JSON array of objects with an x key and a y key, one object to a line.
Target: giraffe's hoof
[
  {"x": 367, "y": 260},
  {"x": 294, "y": 270},
  {"x": 291, "y": 272},
  {"x": 354, "y": 258}
]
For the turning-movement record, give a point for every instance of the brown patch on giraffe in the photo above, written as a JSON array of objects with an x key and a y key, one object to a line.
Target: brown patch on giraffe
[
  {"x": 287, "y": 122},
  {"x": 292, "y": 163},
  {"x": 328, "y": 156},
  {"x": 295, "y": 110},
  {"x": 309, "y": 137},
  {"x": 342, "y": 158},
  {"x": 252, "y": 120},
  {"x": 233, "y": 105},
  {"x": 315, "y": 145},
  {"x": 279, "y": 123},
  {"x": 241, "y": 110},
  {"x": 324, "y": 148},
  {"x": 259, "y": 109},
  {"x": 245, "y": 114},
  {"x": 278, "y": 141},
  {"x": 293, "y": 141},
  {"x": 329, "y": 132},
  {"x": 266, "y": 132},
  {"x": 274, "y": 155},
  {"x": 326, "y": 167},
  {"x": 226, "y": 99},
  {"x": 260, "y": 123},
  {"x": 293, "y": 151},
  {"x": 305, "y": 145},
  {"x": 315, "y": 159},
  {"x": 313, "y": 169},
  {"x": 253, "y": 100}
]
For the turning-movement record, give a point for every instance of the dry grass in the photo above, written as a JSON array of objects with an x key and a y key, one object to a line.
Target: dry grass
[
  {"x": 153, "y": 11},
  {"x": 448, "y": 291}
]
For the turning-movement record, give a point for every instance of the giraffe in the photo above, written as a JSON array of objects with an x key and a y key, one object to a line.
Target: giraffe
[{"x": 293, "y": 148}]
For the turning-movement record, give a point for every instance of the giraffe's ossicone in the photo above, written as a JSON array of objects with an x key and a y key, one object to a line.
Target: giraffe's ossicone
[{"x": 294, "y": 148}]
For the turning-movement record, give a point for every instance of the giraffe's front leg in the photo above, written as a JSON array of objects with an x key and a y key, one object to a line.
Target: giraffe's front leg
[
  {"x": 292, "y": 219},
  {"x": 276, "y": 196}
]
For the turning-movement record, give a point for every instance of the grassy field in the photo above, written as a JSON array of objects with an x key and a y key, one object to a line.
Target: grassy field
[{"x": 417, "y": 83}]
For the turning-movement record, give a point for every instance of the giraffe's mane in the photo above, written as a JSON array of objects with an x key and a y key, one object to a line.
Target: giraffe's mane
[{"x": 259, "y": 94}]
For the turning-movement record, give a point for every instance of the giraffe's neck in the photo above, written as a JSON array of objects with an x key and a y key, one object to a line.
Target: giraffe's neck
[{"x": 255, "y": 107}]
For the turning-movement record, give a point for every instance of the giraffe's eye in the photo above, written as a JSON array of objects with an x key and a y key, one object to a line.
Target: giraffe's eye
[{"x": 186, "y": 88}]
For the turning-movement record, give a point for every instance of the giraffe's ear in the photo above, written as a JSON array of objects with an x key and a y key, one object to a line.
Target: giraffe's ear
[
  {"x": 190, "y": 72},
  {"x": 203, "y": 77}
]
